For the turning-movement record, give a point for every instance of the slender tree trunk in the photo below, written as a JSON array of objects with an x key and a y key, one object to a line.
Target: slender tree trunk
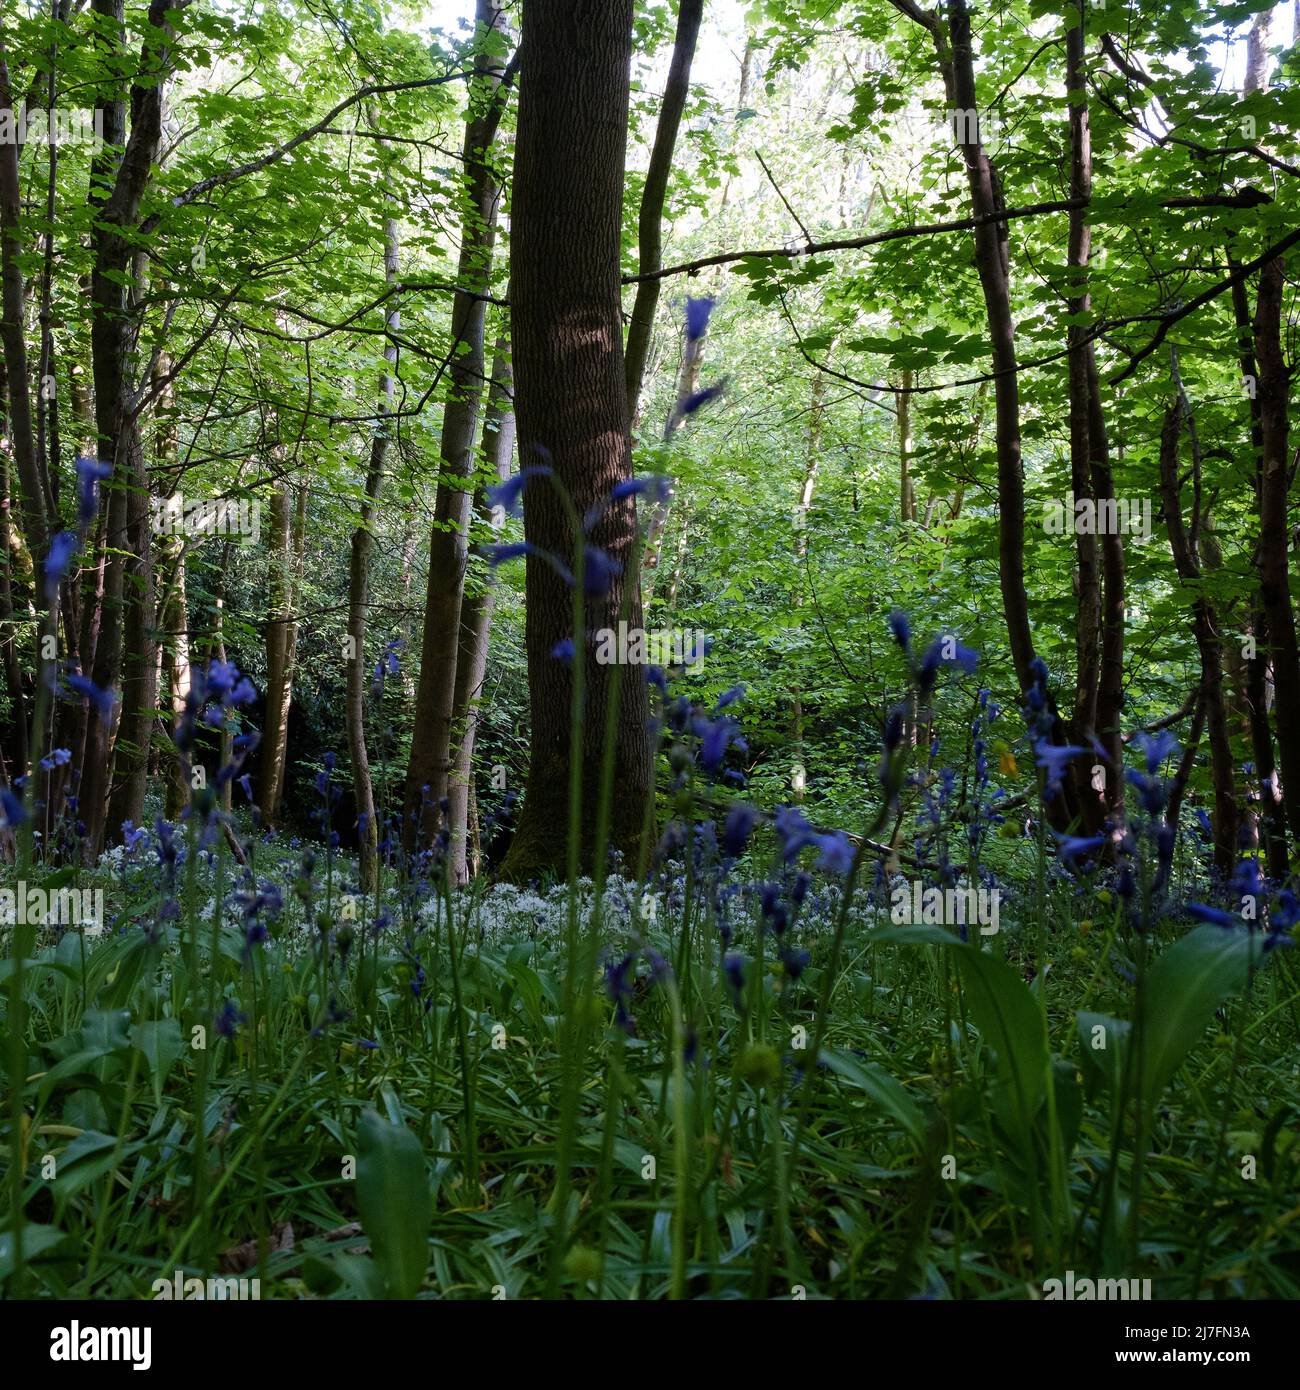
[
  {"x": 176, "y": 649},
  {"x": 279, "y": 611},
  {"x": 476, "y": 618},
  {"x": 430, "y": 762},
  {"x": 1205, "y": 625},
  {"x": 8, "y": 638},
  {"x": 33, "y": 487},
  {"x": 571, "y": 398},
  {"x": 1272, "y": 558},
  {"x": 113, "y": 332},
  {"x": 650, "y": 222},
  {"x": 358, "y": 589},
  {"x": 906, "y": 490},
  {"x": 952, "y": 45},
  {"x": 1079, "y": 305}
]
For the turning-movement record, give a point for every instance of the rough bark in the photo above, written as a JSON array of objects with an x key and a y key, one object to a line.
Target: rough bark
[
  {"x": 1271, "y": 556},
  {"x": 650, "y": 220},
  {"x": 571, "y": 398}
]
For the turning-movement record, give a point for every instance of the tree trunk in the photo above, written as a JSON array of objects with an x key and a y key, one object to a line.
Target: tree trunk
[
  {"x": 571, "y": 399},
  {"x": 113, "y": 332},
  {"x": 1205, "y": 625},
  {"x": 650, "y": 222},
  {"x": 1079, "y": 304},
  {"x": 476, "y": 619},
  {"x": 354, "y": 712},
  {"x": 1272, "y": 559},
  {"x": 906, "y": 490},
  {"x": 430, "y": 762},
  {"x": 8, "y": 641},
  {"x": 279, "y": 609}
]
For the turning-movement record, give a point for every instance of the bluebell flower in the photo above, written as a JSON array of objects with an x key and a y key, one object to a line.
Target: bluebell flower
[
  {"x": 733, "y": 969},
  {"x": 1054, "y": 759},
  {"x": 90, "y": 473},
  {"x": 793, "y": 831},
  {"x": 103, "y": 700},
  {"x": 794, "y": 960},
  {"x": 697, "y": 317},
  {"x": 714, "y": 736},
  {"x": 563, "y": 651},
  {"x": 1156, "y": 747},
  {"x": 62, "y": 548},
  {"x": 599, "y": 570},
  {"x": 693, "y": 402},
  {"x": 1074, "y": 847},
  {"x": 901, "y": 628},
  {"x": 228, "y": 1019},
  {"x": 729, "y": 697},
  {"x": 654, "y": 485},
  {"x": 1215, "y": 915},
  {"x": 736, "y": 830},
  {"x": 507, "y": 495},
  {"x": 59, "y": 757},
  {"x": 11, "y": 809},
  {"x": 499, "y": 554},
  {"x": 836, "y": 853}
]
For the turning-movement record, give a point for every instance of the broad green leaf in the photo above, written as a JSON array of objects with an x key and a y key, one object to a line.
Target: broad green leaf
[
  {"x": 393, "y": 1200},
  {"x": 883, "y": 1089},
  {"x": 161, "y": 1042},
  {"x": 1183, "y": 989}
]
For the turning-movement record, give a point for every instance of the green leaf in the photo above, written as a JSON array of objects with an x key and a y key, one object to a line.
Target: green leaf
[
  {"x": 393, "y": 1200},
  {"x": 38, "y": 1240},
  {"x": 882, "y": 1088},
  {"x": 1183, "y": 989},
  {"x": 1009, "y": 1018},
  {"x": 161, "y": 1042}
]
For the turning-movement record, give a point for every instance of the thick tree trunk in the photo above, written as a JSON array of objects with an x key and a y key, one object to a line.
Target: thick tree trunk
[
  {"x": 1205, "y": 625},
  {"x": 650, "y": 222},
  {"x": 571, "y": 399},
  {"x": 476, "y": 619},
  {"x": 430, "y": 762},
  {"x": 354, "y": 712},
  {"x": 1272, "y": 559}
]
